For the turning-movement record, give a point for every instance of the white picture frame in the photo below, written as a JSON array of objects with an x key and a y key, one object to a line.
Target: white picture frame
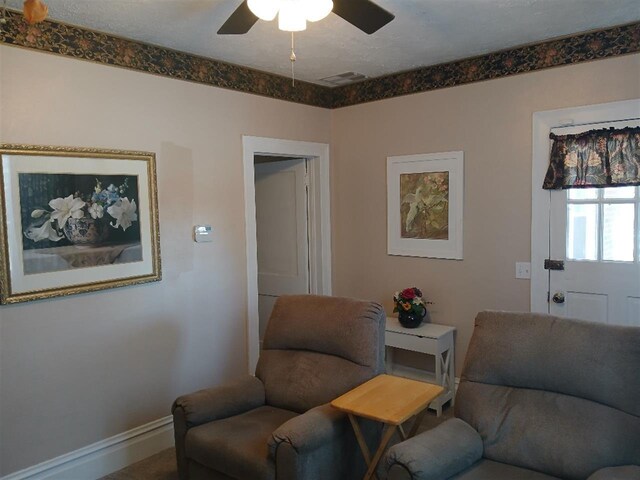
[{"x": 425, "y": 198}]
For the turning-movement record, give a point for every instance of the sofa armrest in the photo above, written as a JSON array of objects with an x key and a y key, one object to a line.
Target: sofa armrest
[
  {"x": 220, "y": 402},
  {"x": 319, "y": 445},
  {"x": 626, "y": 472},
  {"x": 436, "y": 454}
]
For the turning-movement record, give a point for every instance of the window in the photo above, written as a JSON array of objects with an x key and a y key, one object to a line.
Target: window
[{"x": 603, "y": 224}]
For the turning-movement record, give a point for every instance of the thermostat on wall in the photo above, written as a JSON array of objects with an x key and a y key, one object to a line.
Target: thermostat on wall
[{"x": 203, "y": 233}]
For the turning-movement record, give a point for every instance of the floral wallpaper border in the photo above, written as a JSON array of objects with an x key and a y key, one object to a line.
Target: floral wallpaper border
[
  {"x": 77, "y": 42},
  {"x": 611, "y": 42},
  {"x": 81, "y": 43}
]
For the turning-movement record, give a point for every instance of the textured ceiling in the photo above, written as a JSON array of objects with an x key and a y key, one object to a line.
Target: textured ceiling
[{"x": 424, "y": 32}]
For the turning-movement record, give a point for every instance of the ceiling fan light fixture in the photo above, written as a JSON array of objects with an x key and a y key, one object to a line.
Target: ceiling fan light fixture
[
  {"x": 264, "y": 9},
  {"x": 316, "y": 10},
  {"x": 292, "y": 16}
]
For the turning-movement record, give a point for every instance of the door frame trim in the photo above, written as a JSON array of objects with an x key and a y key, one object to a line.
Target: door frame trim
[
  {"x": 319, "y": 222},
  {"x": 543, "y": 122}
]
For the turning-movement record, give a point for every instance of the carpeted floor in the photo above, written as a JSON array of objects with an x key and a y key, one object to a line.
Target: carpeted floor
[{"x": 162, "y": 466}]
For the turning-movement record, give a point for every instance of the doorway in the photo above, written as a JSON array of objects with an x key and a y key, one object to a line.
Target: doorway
[
  {"x": 595, "y": 232},
  {"x": 282, "y": 231},
  {"x": 289, "y": 173}
]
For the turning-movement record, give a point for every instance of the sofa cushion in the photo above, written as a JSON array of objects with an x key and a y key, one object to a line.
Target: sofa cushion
[
  {"x": 490, "y": 470},
  {"x": 560, "y": 435},
  {"x": 237, "y": 446},
  {"x": 553, "y": 394},
  {"x": 310, "y": 323}
]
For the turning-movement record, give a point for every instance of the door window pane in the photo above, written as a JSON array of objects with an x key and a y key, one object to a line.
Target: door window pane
[
  {"x": 617, "y": 231},
  {"x": 582, "y": 232},
  {"x": 620, "y": 192},
  {"x": 583, "y": 193}
]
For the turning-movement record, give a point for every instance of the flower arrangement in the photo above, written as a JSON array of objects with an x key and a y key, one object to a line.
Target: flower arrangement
[
  {"x": 410, "y": 300},
  {"x": 49, "y": 223}
]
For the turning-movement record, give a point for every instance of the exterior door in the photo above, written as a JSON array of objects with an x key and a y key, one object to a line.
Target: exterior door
[
  {"x": 282, "y": 232},
  {"x": 596, "y": 232}
]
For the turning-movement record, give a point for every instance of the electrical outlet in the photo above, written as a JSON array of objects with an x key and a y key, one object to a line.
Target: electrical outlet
[{"x": 523, "y": 270}]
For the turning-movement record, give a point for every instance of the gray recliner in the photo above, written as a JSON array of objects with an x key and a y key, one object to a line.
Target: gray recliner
[
  {"x": 278, "y": 425},
  {"x": 540, "y": 397}
]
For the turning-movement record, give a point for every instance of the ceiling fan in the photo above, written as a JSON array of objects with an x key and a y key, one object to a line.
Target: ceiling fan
[{"x": 293, "y": 14}]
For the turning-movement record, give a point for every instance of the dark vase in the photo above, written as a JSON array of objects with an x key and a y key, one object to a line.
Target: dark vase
[{"x": 410, "y": 319}]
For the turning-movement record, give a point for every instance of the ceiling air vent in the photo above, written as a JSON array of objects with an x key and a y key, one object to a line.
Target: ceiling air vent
[{"x": 344, "y": 78}]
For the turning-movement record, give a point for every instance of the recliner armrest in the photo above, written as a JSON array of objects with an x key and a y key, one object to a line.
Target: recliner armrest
[
  {"x": 436, "y": 454},
  {"x": 319, "y": 445},
  {"x": 626, "y": 472},
  {"x": 310, "y": 430},
  {"x": 220, "y": 402}
]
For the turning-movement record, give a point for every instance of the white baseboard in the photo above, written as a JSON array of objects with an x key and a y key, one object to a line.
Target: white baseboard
[{"x": 103, "y": 457}]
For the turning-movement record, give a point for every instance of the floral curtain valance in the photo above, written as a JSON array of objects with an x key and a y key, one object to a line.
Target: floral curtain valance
[{"x": 597, "y": 158}]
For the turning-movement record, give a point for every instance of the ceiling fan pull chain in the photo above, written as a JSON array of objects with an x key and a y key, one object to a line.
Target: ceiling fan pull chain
[{"x": 292, "y": 57}]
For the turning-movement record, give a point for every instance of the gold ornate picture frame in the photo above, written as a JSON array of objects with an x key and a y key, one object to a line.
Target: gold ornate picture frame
[{"x": 76, "y": 220}]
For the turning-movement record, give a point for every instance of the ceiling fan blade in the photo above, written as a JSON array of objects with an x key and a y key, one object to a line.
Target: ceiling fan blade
[
  {"x": 239, "y": 22},
  {"x": 364, "y": 14}
]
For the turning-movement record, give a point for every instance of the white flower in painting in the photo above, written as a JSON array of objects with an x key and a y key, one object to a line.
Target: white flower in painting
[
  {"x": 96, "y": 211},
  {"x": 65, "y": 208},
  {"x": 43, "y": 232},
  {"x": 38, "y": 213},
  {"x": 124, "y": 211}
]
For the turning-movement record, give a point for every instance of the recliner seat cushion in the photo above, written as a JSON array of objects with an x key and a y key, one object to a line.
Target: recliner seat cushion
[
  {"x": 237, "y": 446},
  {"x": 490, "y": 470}
]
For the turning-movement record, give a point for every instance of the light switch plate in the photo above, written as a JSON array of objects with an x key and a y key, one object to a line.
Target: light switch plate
[
  {"x": 523, "y": 270},
  {"x": 203, "y": 233}
]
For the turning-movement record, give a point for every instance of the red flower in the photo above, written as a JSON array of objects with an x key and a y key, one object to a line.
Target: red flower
[{"x": 408, "y": 293}]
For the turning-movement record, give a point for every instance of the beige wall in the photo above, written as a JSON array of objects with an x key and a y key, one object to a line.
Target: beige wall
[
  {"x": 79, "y": 369},
  {"x": 492, "y": 123}
]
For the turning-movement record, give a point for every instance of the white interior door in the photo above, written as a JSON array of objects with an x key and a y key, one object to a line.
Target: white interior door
[
  {"x": 282, "y": 232},
  {"x": 596, "y": 232}
]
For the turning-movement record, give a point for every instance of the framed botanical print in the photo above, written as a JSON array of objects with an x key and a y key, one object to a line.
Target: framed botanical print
[
  {"x": 74, "y": 220},
  {"x": 425, "y": 205}
]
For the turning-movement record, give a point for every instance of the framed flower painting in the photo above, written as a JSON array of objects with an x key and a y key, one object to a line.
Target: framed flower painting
[
  {"x": 74, "y": 220},
  {"x": 425, "y": 205}
]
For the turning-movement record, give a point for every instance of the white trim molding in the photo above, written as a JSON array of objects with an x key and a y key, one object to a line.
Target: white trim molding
[
  {"x": 320, "y": 216},
  {"x": 104, "y": 457},
  {"x": 543, "y": 123}
]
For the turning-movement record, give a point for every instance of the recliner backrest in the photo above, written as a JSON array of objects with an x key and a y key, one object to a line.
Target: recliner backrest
[
  {"x": 316, "y": 348},
  {"x": 551, "y": 394}
]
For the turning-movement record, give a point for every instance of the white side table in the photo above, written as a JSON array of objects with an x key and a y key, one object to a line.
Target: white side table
[{"x": 431, "y": 339}]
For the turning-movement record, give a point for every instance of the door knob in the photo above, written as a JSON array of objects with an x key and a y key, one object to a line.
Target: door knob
[{"x": 558, "y": 297}]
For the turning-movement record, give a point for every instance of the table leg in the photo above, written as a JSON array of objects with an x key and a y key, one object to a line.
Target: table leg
[
  {"x": 388, "y": 359},
  {"x": 452, "y": 375},
  {"x": 360, "y": 438},
  {"x": 416, "y": 423},
  {"x": 389, "y": 430},
  {"x": 403, "y": 435},
  {"x": 439, "y": 380}
]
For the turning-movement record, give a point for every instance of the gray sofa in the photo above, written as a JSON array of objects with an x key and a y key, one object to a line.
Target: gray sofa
[
  {"x": 540, "y": 397},
  {"x": 278, "y": 425}
]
